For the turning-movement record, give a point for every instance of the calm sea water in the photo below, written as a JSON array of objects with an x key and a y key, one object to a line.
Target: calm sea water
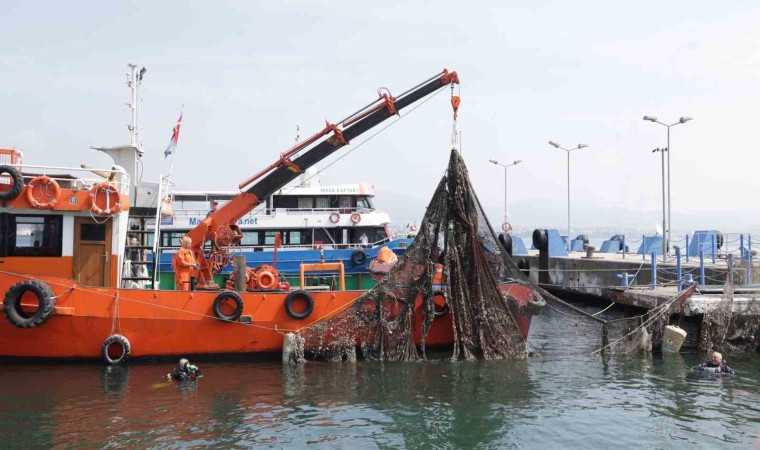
[{"x": 562, "y": 399}]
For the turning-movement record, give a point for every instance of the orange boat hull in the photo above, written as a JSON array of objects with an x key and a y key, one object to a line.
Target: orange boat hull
[{"x": 171, "y": 323}]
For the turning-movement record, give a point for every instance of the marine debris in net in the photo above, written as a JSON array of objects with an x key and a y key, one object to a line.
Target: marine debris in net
[{"x": 455, "y": 253}]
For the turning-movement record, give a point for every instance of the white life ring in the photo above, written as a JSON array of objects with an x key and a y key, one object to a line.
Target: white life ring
[{"x": 506, "y": 227}]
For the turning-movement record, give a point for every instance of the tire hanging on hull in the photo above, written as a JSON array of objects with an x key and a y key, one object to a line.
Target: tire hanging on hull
[{"x": 14, "y": 309}]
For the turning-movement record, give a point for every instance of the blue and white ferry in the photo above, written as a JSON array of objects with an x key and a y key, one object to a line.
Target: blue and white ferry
[{"x": 316, "y": 222}]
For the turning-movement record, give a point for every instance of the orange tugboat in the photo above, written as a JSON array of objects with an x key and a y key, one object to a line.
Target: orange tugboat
[{"x": 69, "y": 285}]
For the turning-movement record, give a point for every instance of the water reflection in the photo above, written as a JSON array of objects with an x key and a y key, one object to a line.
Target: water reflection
[{"x": 561, "y": 399}]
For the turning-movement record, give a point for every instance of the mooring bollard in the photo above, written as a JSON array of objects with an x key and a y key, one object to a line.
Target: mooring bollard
[
  {"x": 654, "y": 271},
  {"x": 688, "y": 280},
  {"x": 687, "y": 248},
  {"x": 625, "y": 278},
  {"x": 678, "y": 267}
]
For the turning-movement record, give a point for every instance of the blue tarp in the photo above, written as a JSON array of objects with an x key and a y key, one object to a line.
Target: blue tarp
[
  {"x": 650, "y": 244},
  {"x": 704, "y": 241}
]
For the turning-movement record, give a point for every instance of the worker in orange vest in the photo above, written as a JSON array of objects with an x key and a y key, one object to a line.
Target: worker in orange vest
[{"x": 184, "y": 264}]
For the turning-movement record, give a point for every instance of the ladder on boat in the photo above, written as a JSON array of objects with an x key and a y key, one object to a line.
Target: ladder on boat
[{"x": 141, "y": 271}]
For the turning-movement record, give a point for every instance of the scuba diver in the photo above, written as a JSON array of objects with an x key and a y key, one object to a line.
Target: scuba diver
[
  {"x": 715, "y": 365},
  {"x": 185, "y": 371}
]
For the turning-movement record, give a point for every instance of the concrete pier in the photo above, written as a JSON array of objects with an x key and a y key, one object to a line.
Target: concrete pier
[{"x": 601, "y": 276}]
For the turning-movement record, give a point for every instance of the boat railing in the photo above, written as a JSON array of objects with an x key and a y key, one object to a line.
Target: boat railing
[
  {"x": 76, "y": 178},
  {"x": 196, "y": 212}
]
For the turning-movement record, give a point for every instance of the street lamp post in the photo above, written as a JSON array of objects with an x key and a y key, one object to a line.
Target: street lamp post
[
  {"x": 669, "y": 224},
  {"x": 505, "y": 166},
  {"x": 568, "y": 150},
  {"x": 662, "y": 156}
]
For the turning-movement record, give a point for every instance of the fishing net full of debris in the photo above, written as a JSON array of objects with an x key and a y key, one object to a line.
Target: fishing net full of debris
[{"x": 448, "y": 289}]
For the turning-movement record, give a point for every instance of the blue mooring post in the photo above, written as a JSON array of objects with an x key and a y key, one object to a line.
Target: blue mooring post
[
  {"x": 623, "y": 279},
  {"x": 741, "y": 246},
  {"x": 712, "y": 239},
  {"x": 624, "y": 250},
  {"x": 749, "y": 259},
  {"x": 643, "y": 254},
  {"x": 654, "y": 271},
  {"x": 748, "y": 274},
  {"x": 701, "y": 268},
  {"x": 678, "y": 267},
  {"x": 687, "y": 248}
]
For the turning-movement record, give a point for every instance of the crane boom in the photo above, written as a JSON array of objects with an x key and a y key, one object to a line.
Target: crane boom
[{"x": 221, "y": 225}]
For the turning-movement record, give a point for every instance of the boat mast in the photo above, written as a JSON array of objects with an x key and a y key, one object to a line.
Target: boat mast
[{"x": 134, "y": 80}]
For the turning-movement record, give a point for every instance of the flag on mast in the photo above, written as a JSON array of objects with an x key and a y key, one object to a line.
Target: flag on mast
[{"x": 175, "y": 137}]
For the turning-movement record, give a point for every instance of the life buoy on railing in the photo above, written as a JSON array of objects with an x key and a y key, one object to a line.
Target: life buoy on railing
[
  {"x": 43, "y": 192},
  {"x": 506, "y": 227},
  {"x": 15, "y": 188},
  {"x": 116, "y": 349},
  {"x": 104, "y": 199},
  {"x": 299, "y": 296},
  {"x": 19, "y": 313},
  {"x": 334, "y": 217},
  {"x": 221, "y": 299},
  {"x": 356, "y": 218}
]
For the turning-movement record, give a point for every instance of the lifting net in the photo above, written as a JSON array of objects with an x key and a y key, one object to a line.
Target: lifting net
[
  {"x": 452, "y": 273},
  {"x": 455, "y": 272}
]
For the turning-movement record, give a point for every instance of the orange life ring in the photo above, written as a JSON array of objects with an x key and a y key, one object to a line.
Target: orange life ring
[
  {"x": 506, "y": 227},
  {"x": 43, "y": 192},
  {"x": 356, "y": 218},
  {"x": 334, "y": 217},
  {"x": 104, "y": 199}
]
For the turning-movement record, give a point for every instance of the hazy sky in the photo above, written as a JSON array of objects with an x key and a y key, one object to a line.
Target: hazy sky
[{"x": 249, "y": 72}]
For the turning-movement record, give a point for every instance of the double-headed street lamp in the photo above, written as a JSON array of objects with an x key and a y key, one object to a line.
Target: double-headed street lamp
[
  {"x": 505, "y": 166},
  {"x": 568, "y": 150},
  {"x": 664, "y": 243},
  {"x": 666, "y": 249}
]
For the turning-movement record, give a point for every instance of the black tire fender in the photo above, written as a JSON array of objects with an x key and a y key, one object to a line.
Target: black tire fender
[
  {"x": 506, "y": 242},
  {"x": 299, "y": 295},
  {"x": 358, "y": 257},
  {"x": 228, "y": 295},
  {"x": 12, "y": 304},
  {"x": 540, "y": 240},
  {"x": 18, "y": 183},
  {"x": 109, "y": 343}
]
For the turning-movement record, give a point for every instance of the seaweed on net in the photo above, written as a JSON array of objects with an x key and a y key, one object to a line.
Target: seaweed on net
[
  {"x": 455, "y": 255},
  {"x": 728, "y": 327}
]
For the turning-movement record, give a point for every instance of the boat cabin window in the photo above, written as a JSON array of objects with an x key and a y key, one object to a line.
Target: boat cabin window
[
  {"x": 171, "y": 238},
  {"x": 374, "y": 234},
  {"x": 250, "y": 239},
  {"x": 28, "y": 235},
  {"x": 363, "y": 202}
]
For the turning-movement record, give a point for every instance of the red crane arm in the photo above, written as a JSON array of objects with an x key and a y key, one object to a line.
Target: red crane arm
[{"x": 221, "y": 225}]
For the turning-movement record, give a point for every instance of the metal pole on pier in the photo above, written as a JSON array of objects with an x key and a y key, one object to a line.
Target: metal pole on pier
[{"x": 568, "y": 150}]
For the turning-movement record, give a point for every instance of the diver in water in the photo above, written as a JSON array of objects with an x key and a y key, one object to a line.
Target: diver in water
[
  {"x": 185, "y": 371},
  {"x": 715, "y": 365}
]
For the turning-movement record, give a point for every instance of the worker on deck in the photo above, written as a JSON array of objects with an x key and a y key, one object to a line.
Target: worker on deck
[
  {"x": 184, "y": 264},
  {"x": 185, "y": 371},
  {"x": 715, "y": 365}
]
